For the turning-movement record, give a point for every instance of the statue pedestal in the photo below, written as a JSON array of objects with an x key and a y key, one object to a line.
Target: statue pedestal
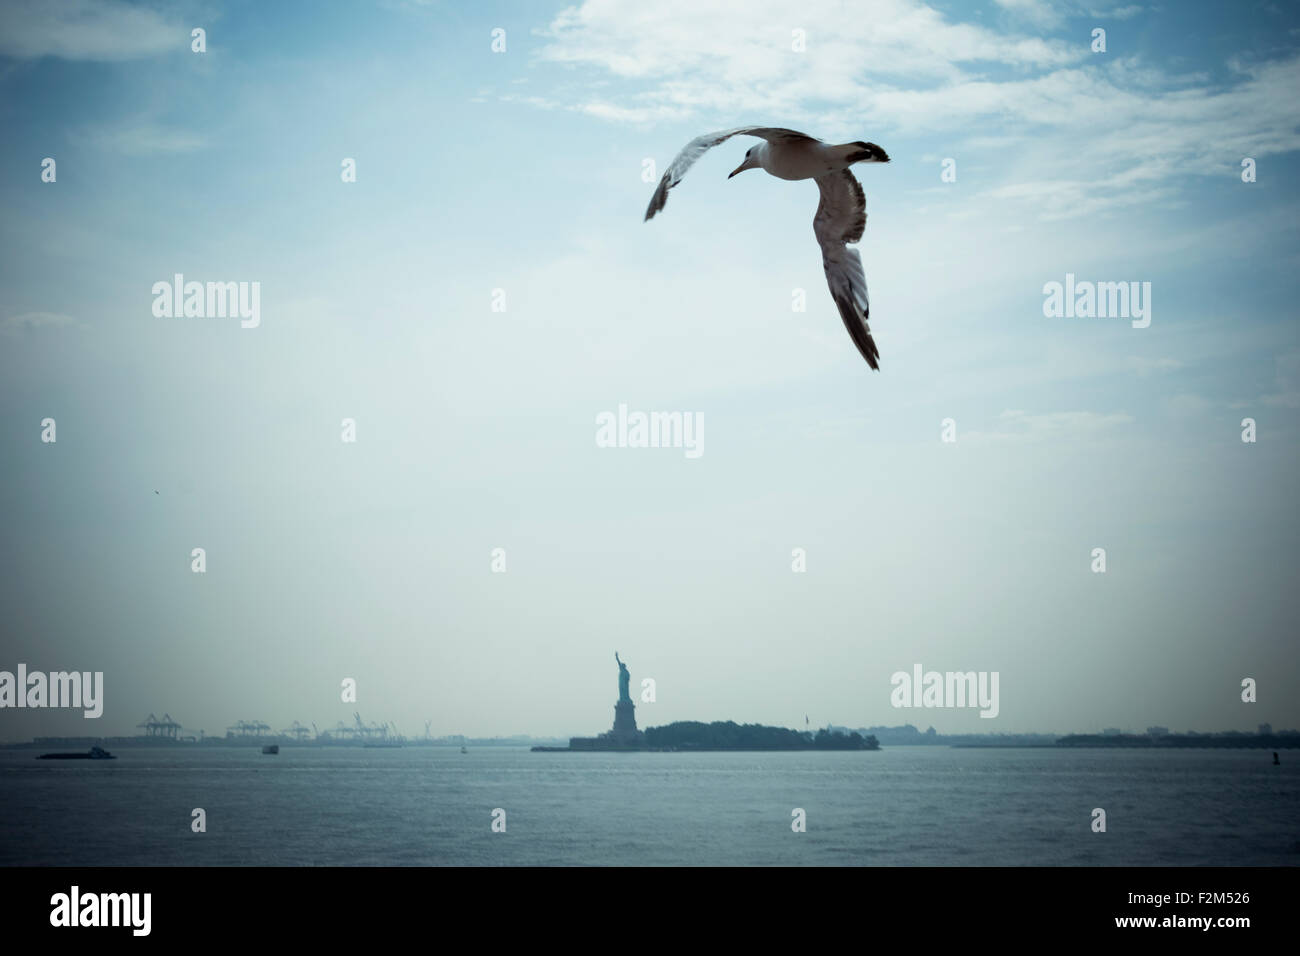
[
  {"x": 623, "y": 736},
  {"x": 625, "y": 723}
]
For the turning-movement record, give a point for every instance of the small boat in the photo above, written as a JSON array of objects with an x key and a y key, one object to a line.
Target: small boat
[
  {"x": 94, "y": 753},
  {"x": 271, "y": 749},
  {"x": 463, "y": 750}
]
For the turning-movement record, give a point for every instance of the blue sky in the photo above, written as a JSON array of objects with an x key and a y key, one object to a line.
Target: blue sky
[{"x": 522, "y": 171}]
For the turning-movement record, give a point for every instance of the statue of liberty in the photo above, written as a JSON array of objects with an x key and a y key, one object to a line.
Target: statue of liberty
[{"x": 624, "y": 678}]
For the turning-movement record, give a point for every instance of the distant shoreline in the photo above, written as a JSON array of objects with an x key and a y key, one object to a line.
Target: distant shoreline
[
  {"x": 1184, "y": 741},
  {"x": 1223, "y": 741},
  {"x": 240, "y": 742}
]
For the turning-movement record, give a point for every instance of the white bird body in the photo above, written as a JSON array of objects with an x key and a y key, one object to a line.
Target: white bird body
[
  {"x": 785, "y": 161},
  {"x": 841, "y": 213}
]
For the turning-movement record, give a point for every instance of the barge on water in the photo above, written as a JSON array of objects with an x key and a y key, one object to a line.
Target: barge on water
[{"x": 94, "y": 753}]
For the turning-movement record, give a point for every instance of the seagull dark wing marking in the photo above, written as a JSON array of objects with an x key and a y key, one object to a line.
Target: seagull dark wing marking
[
  {"x": 702, "y": 144},
  {"x": 841, "y": 218}
]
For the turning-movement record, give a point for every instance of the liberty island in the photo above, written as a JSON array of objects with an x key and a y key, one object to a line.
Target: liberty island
[
  {"x": 693, "y": 735},
  {"x": 624, "y": 734}
]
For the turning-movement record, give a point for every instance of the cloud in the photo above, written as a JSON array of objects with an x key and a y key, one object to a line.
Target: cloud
[
  {"x": 692, "y": 58},
  {"x": 1041, "y": 12},
  {"x": 1144, "y": 141},
  {"x": 86, "y": 30},
  {"x": 28, "y": 322},
  {"x": 1287, "y": 385},
  {"x": 1187, "y": 405},
  {"x": 1016, "y": 425},
  {"x": 1144, "y": 366},
  {"x": 1075, "y": 134},
  {"x": 1118, "y": 13},
  {"x": 1048, "y": 13},
  {"x": 138, "y": 138}
]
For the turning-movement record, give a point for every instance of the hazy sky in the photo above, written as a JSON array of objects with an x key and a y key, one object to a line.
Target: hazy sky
[{"x": 522, "y": 171}]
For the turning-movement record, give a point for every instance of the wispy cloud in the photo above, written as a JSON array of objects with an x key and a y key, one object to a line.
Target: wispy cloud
[
  {"x": 28, "y": 322},
  {"x": 1286, "y": 393},
  {"x": 1127, "y": 12},
  {"x": 1041, "y": 12},
  {"x": 86, "y": 30},
  {"x": 1017, "y": 425},
  {"x": 1145, "y": 366},
  {"x": 1187, "y": 405},
  {"x": 671, "y": 50},
  {"x": 138, "y": 138},
  {"x": 902, "y": 68},
  {"x": 1050, "y": 13}
]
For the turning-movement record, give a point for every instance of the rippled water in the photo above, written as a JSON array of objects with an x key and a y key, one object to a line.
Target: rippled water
[{"x": 419, "y": 805}]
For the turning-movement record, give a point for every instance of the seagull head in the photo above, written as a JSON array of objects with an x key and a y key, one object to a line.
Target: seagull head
[
  {"x": 751, "y": 162},
  {"x": 874, "y": 153}
]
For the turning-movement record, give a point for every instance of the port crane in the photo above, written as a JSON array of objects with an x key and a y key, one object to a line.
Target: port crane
[
  {"x": 297, "y": 731},
  {"x": 370, "y": 731},
  {"x": 153, "y": 727},
  {"x": 247, "y": 728}
]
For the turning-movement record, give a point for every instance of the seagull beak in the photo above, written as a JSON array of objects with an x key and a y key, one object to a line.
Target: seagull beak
[{"x": 739, "y": 169}]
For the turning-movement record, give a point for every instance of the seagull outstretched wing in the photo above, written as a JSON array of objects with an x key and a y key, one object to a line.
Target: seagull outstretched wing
[
  {"x": 841, "y": 218},
  {"x": 702, "y": 144}
]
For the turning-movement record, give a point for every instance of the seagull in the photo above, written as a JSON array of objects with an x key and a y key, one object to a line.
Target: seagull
[{"x": 841, "y": 214}]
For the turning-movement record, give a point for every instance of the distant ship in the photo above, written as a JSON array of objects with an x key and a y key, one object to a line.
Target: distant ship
[
  {"x": 375, "y": 744},
  {"x": 463, "y": 750},
  {"x": 271, "y": 749},
  {"x": 94, "y": 753}
]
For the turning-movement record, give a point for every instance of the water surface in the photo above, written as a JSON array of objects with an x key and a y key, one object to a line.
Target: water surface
[{"x": 900, "y": 806}]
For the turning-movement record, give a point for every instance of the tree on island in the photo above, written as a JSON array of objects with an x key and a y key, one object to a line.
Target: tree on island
[{"x": 728, "y": 735}]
